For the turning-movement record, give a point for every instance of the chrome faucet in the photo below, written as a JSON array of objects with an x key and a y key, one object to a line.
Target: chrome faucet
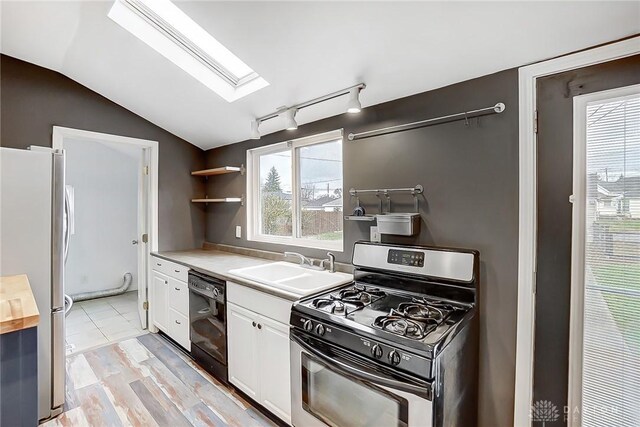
[
  {"x": 332, "y": 262},
  {"x": 304, "y": 261}
]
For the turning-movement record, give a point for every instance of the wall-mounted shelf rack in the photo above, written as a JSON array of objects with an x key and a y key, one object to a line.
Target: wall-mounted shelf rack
[
  {"x": 495, "y": 109},
  {"x": 221, "y": 200},
  {"x": 219, "y": 171},
  {"x": 384, "y": 193}
]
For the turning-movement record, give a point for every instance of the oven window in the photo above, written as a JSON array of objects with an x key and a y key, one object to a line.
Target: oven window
[
  {"x": 341, "y": 401},
  {"x": 207, "y": 318}
]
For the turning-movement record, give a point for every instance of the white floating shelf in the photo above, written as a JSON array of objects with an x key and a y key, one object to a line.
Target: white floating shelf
[{"x": 219, "y": 171}]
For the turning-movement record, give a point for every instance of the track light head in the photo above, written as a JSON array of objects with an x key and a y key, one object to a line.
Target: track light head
[
  {"x": 289, "y": 117},
  {"x": 353, "y": 105},
  {"x": 255, "y": 129}
]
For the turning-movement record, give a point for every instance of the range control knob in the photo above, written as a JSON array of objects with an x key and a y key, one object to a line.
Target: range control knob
[
  {"x": 376, "y": 351},
  {"x": 320, "y": 330},
  {"x": 216, "y": 292},
  {"x": 394, "y": 357},
  {"x": 307, "y": 325}
]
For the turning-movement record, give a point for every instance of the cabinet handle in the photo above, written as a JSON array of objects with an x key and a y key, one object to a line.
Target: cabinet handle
[
  {"x": 254, "y": 324},
  {"x": 177, "y": 289},
  {"x": 178, "y": 323},
  {"x": 166, "y": 283},
  {"x": 177, "y": 271},
  {"x": 259, "y": 326},
  {"x": 158, "y": 264}
]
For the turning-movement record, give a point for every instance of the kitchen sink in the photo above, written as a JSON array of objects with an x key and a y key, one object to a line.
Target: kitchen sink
[{"x": 292, "y": 277}]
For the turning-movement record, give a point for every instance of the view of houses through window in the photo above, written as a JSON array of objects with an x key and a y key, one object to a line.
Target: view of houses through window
[
  {"x": 611, "y": 352},
  {"x": 300, "y": 193}
]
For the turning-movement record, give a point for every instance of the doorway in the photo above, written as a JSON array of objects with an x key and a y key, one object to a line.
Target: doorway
[
  {"x": 110, "y": 230},
  {"x": 608, "y": 160},
  {"x": 605, "y": 277}
]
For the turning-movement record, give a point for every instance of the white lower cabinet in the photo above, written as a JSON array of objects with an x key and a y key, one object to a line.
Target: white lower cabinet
[
  {"x": 258, "y": 349},
  {"x": 242, "y": 341},
  {"x": 169, "y": 300},
  {"x": 275, "y": 372},
  {"x": 160, "y": 300}
]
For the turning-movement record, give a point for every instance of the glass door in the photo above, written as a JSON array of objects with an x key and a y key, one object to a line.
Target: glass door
[{"x": 604, "y": 362}]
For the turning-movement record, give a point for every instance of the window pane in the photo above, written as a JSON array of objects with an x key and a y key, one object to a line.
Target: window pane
[
  {"x": 611, "y": 359},
  {"x": 321, "y": 191},
  {"x": 275, "y": 194}
]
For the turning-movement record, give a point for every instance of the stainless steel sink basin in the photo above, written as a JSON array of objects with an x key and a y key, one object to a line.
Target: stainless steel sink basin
[{"x": 291, "y": 277}]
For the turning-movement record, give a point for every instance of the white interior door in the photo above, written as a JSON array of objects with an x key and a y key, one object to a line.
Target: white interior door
[
  {"x": 604, "y": 357},
  {"x": 143, "y": 245}
]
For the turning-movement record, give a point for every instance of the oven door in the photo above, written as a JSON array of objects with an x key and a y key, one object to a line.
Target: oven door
[{"x": 332, "y": 387}]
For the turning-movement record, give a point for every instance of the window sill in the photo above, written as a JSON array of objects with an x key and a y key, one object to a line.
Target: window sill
[{"x": 337, "y": 246}]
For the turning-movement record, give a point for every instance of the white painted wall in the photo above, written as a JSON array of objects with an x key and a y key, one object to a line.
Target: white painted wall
[{"x": 105, "y": 182}]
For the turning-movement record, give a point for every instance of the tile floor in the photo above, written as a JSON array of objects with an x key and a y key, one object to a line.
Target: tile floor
[{"x": 101, "y": 321}]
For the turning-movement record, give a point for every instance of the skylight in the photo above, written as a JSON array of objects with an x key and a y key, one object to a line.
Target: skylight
[{"x": 168, "y": 30}]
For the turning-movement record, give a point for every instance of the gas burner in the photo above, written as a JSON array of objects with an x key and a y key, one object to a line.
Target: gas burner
[
  {"x": 415, "y": 318},
  {"x": 346, "y": 301},
  {"x": 421, "y": 312},
  {"x": 400, "y": 325},
  {"x": 436, "y": 303},
  {"x": 332, "y": 305},
  {"x": 360, "y": 294}
]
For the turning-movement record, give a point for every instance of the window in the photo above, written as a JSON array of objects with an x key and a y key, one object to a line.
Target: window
[
  {"x": 295, "y": 192},
  {"x": 168, "y": 30},
  {"x": 606, "y": 271}
]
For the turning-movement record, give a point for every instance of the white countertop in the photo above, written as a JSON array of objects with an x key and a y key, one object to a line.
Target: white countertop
[{"x": 219, "y": 263}]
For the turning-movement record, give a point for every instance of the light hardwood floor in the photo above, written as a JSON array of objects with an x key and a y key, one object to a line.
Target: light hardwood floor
[{"x": 145, "y": 381}]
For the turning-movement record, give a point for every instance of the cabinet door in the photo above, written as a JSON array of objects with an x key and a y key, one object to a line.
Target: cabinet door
[
  {"x": 274, "y": 367},
  {"x": 242, "y": 349},
  {"x": 160, "y": 303}
]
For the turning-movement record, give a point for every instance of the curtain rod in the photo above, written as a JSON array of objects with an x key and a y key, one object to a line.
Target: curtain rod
[{"x": 496, "y": 109}]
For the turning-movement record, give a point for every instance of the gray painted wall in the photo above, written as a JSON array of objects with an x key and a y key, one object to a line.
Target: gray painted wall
[
  {"x": 34, "y": 99},
  {"x": 470, "y": 175}
]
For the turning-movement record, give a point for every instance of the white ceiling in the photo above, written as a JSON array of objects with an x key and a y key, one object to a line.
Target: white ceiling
[{"x": 304, "y": 50}]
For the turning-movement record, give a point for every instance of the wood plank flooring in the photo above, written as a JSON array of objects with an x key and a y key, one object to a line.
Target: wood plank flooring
[{"x": 145, "y": 381}]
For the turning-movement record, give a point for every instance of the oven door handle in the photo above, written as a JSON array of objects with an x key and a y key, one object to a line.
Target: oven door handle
[{"x": 424, "y": 391}]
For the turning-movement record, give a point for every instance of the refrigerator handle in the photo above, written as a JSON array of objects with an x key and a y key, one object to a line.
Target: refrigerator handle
[
  {"x": 68, "y": 220},
  {"x": 57, "y": 232},
  {"x": 58, "y": 355}
]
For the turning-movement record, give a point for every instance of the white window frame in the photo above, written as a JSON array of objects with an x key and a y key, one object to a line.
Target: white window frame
[{"x": 253, "y": 192}]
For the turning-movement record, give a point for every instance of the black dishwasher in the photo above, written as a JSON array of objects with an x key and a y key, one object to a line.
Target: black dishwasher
[{"x": 208, "y": 323}]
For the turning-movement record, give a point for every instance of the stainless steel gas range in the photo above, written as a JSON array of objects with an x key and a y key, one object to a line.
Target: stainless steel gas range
[{"x": 397, "y": 347}]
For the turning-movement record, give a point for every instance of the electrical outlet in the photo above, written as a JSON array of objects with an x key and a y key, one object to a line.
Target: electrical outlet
[
  {"x": 238, "y": 231},
  {"x": 374, "y": 236}
]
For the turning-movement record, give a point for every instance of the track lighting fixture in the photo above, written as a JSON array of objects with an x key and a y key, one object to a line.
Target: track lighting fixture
[
  {"x": 288, "y": 115},
  {"x": 255, "y": 129},
  {"x": 354, "y": 106}
]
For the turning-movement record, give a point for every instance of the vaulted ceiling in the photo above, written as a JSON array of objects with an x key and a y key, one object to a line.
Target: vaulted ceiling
[{"x": 304, "y": 50}]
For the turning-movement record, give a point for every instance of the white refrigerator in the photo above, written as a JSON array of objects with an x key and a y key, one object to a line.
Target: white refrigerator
[{"x": 32, "y": 206}]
